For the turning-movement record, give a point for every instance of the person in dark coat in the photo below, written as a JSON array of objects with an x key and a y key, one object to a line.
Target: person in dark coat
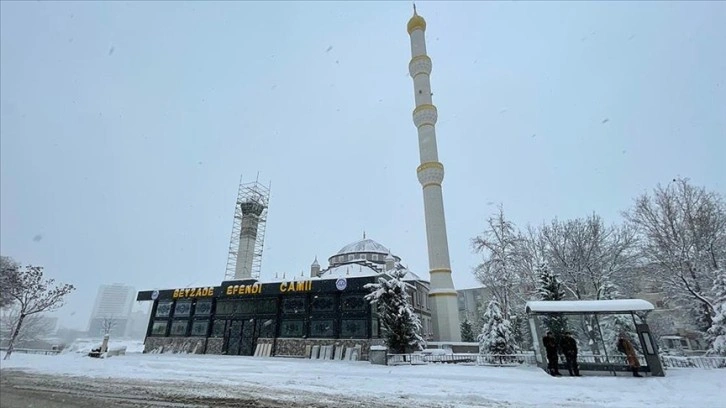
[
  {"x": 569, "y": 349},
  {"x": 550, "y": 344},
  {"x": 624, "y": 346}
]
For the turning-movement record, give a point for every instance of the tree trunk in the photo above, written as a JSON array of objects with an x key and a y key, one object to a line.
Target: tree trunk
[{"x": 14, "y": 336}]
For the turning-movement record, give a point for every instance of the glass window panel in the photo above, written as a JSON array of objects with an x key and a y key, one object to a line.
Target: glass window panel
[
  {"x": 353, "y": 328},
  {"x": 245, "y": 307},
  {"x": 266, "y": 328},
  {"x": 321, "y": 328},
  {"x": 159, "y": 328},
  {"x": 179, "y": 328},
  {"x": 374, "y": 327},
  {"x": 199, "y": 328},
  {"x": 291, "y": 328},
  {"x": 267, "y": 306},
  {"x": 293, "y": 305},
  {"x": 322, "y": 304},
  {"x": 225, "y": 307},
  {"x": 218, "y": 328},
  {"x": 354, "y": 303},
  {"x": 183, "y": 308},
  {"x": 203, "y": 308},
  {"x": 163, "y": 309}
]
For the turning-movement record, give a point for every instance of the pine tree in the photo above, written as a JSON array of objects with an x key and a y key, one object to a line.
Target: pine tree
[
  {"x": 716, "y": 334},
  {"x": 496, "y": 336},
  {"x": 400, "y": 325},
  {"x": 467, "y": 334},
  {"x": 550, "y": 288}
]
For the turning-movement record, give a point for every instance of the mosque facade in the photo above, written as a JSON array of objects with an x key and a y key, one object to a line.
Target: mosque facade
[{"x": 285, "y": 316}]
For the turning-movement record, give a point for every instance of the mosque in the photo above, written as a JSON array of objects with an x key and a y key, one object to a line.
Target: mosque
[{"x": 291, "y": 315}]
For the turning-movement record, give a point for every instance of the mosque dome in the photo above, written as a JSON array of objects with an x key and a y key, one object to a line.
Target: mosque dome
[
  {"x": 364, "y": 245},
  {"x": 416, "y": 22}
]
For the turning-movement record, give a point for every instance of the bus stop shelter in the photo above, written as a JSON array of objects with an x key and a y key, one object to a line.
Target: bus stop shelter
[{"x": 596, "y": 325}]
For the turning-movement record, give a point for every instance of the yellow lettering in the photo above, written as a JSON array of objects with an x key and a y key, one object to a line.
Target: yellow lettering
[
  {"x": 310, "y": 285},
  {"x": 283, "y": 287},
  {"x": 176, "y": 293},
  {"x": 210, "y": 291},
  {"x": 301, "y": 286},
  {"x": 229, "y": 290}
]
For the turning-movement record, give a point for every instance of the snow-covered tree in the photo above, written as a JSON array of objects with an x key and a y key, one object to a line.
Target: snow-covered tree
[
  {"x": 400, "y": 325},
  {"x": 550, "y": 288},
  {"x": 496, "y": 336},
  {"x": 499, "y": 270},
  {"x": 8, "y": 280},
  {"x": 467, "y": 334},
  {"x": 683, "y": 233},
  {"x": 716, "y": 334}
]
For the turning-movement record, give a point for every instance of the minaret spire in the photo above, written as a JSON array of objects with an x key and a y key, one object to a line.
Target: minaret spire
[{"x": 443, "y": 296}]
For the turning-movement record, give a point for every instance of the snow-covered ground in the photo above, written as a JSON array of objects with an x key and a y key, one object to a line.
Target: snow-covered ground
[{"x": 434, "y": 385}]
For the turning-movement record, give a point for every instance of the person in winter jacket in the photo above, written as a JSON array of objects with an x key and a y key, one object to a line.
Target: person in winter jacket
[
  {"x": 550, "y": 344},
  {"x": 624, "y": 346},
  {"x": 569, "y": 349}
]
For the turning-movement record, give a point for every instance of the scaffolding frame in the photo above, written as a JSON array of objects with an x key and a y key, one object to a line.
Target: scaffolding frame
[{"x": 251, "y": 192}]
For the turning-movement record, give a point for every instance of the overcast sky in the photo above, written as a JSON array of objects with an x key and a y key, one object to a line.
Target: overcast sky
[{"x": 125, "y": 127}]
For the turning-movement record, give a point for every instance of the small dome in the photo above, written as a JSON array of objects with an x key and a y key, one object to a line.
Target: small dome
[
  {"x": 416, "y": 22},
  {"x": 315, "y": 262},
  {"x": 364, "y": 245}
]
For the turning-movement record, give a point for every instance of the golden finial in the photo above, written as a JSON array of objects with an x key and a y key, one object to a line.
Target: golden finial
[{"x": 416, "y": 22}]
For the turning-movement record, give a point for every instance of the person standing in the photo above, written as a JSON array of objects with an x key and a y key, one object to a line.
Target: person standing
[
  {"x": 569, "y": 349},
  {"x": 624, "y": 346},
  {"x": 550, "y": 344}
]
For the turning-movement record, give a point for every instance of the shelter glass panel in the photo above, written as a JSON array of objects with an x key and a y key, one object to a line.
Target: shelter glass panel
[{"x": 266, "y": 328}]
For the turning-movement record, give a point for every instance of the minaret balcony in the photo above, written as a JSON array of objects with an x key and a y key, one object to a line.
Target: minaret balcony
[
  {"x": 419, "y": 65},
  {"x": 430, "y": 173},
  {"x": 425, "y": 115}
]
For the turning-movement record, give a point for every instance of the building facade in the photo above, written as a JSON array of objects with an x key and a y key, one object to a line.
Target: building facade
[
  {"x": 289, "y": 314},
  {"x": 112, "y": 308}
]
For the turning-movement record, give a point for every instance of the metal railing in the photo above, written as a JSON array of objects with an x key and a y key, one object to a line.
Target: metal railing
[
  {"x": 693, "y": 362},
  {"x": 31, "y": 351},
  {"x": 506, "y": 360}
]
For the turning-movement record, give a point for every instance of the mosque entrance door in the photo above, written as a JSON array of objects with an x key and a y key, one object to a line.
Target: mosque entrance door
[{"x": 241, "y": 337}]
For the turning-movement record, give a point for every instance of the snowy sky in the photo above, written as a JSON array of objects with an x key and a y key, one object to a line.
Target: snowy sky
[{"x": 125, "y": 126}]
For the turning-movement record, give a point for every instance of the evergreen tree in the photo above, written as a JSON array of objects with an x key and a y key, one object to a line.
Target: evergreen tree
[
  {"x": 496, "y": 336},
  {"x": 716, "y": 334},
  {"x": 400, "y": 325},
  {"x": 467, "y": 334},
  {"x": 550, "y": 288}
]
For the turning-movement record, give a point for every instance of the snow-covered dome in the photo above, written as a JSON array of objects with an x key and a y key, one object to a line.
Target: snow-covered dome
[{"x": 364, "y": 245}]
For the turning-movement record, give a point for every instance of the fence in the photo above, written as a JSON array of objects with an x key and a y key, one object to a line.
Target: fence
[
  {"x": 693, "y": 362},
  {"x": 31, "y": 351},
  {"x": 462, "y": 358}
]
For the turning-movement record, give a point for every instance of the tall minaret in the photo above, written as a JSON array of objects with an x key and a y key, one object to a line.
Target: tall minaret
[{"x": 443, "y": 299}]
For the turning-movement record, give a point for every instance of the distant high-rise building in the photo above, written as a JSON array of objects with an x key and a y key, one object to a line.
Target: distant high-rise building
[{"x": 112, "y": 308}]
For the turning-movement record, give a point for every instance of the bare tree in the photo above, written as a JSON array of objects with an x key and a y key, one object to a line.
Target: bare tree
[
  {"x": 683, "y": 231},
  {"x": 33, "y": 294},
  {"x": 108, "y": 324},
  {"x": 8, "y": 279},
  {"x": 34, "y": 326}
]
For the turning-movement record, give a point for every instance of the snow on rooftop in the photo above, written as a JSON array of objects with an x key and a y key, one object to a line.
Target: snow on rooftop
[
  {"x": 364, "y": 245},
  {"x": 588, "y": 306}
]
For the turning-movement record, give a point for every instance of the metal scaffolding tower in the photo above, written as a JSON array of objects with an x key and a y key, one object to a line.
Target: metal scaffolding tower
[{"x": 244, "y": 259}]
